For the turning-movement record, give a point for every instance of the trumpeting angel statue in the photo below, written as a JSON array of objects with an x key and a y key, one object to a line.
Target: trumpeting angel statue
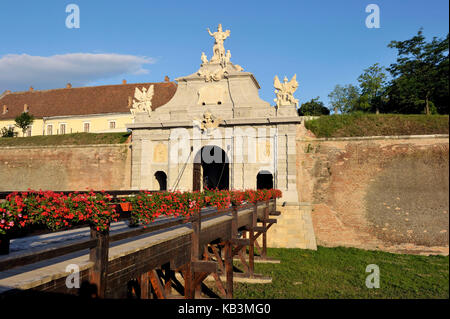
[{"x": 285, "y": 91}]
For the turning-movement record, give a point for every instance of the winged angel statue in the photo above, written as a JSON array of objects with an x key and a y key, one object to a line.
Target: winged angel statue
[
  {"x": 142, "y": 101},
  {"x": 285, "y": 91}
]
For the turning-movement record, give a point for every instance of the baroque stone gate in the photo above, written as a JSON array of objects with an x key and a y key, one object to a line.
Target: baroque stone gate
[{"x": 217, "y": 132}]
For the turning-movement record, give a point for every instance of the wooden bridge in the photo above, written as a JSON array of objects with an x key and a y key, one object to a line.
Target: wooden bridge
[{"x": 169, "y": 258}]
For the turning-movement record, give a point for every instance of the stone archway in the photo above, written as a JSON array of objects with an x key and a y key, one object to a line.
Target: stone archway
[{"x": 211, "y": 169}]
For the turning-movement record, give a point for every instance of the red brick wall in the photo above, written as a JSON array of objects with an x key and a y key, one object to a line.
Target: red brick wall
[
  {"x": 389, "y": 194},
  {"x": 65, "y": 167}
]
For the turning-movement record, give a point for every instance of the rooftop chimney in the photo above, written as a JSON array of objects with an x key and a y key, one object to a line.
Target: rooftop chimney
[
  {"x": 25, "y": 108},
  {"x": 5, "y": 109},
  {"x": 166, "y": 78},
  {"x": 31, "y": 89},
  {"x": 124, "y": 81},
  {"x": 68, "y": 86}
]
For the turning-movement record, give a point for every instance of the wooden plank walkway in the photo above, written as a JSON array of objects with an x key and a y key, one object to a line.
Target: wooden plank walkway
[{"x": 127, "y": 258}]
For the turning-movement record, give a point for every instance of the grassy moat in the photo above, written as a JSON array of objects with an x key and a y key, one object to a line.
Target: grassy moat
[{"x": 337, "y": 273}]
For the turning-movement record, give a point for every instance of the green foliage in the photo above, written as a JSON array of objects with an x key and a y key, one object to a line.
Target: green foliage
[
  {"x": 372, "y": 83},
  {"x": 67, "y": 139},
  {"x": 361, "y": 124},
  {"x": 23, "y": 121},
  {"x": 420, "y": 76},
  {"x": 330, "y": 273},
  {"x": 8, "y": 132},
  {"x": 344, "y": 98},
  {"x": 419, "y": 85},
  {"x": 313, "y": 108}
]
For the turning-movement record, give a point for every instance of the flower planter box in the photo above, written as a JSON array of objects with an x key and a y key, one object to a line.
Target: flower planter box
[{"x": 126, "y": 207}]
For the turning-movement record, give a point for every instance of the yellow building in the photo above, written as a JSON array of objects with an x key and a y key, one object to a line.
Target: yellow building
[{"x": 96, "y": 109}]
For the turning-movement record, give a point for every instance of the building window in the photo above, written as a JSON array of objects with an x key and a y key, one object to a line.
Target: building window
[
  {"x": 86, "y": 127},
  {"x": 62, "y": 128},
  {"x": 112, "y": 124},
  {"x": 49, "y": 129}
]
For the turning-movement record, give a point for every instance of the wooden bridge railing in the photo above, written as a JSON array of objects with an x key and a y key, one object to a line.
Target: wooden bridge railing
[{"x": 99, "y": 243}]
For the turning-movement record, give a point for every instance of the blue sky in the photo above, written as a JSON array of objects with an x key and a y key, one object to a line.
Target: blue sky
[{"x": 324, "y": 42}]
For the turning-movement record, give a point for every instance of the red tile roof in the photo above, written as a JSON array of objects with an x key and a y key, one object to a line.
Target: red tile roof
[{"x": 82, "y": 100}]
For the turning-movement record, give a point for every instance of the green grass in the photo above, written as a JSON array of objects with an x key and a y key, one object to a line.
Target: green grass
[
  {"x": 66, "y": 139},
  {"x": 347, "y": 125},
  {"x": 340, "y": 273}
]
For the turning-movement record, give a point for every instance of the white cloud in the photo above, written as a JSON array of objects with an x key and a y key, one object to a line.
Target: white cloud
[{"x": 20, "y": 71}]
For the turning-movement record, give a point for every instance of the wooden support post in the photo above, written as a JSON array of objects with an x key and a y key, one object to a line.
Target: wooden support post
[
  {"x": 264, "y": 238},
  {"x": 99, "y": 256},
  {"x": 187, "y": 275},
  {"x": 167, "y": 279},
  {"x": 156, "y": 284},
  {"x": 218, "y": 257},
  {"x": 229, "y": 269},
  {"x": 194, "y": 291},
  {"x": 145, "y": 288},
  {"x": 196, "y": 227},
  {"x": 234, "y": 222},
  {"x": 251, "y": 248}
]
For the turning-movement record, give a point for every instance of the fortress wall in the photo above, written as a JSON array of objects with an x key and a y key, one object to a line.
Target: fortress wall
[
  {"x": 98, "y": 167},
  {"x": 387, "y": 193}
]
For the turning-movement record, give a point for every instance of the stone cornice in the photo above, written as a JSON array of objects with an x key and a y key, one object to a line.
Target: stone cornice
[{"x": 228, "y": 122}]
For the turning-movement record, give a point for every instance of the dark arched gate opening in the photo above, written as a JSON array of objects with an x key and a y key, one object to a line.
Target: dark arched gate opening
[
  {"x": 264, "y": 180},
  {"x": 161, "y": 177},
  {"x": 212, "y": 163}
]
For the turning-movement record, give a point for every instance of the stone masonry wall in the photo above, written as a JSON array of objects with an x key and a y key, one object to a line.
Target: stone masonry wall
[
  {"x": 388, "y": 193},
  {"x": 98, "y": 167}
]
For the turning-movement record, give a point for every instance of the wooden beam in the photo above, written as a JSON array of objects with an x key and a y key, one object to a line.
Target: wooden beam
[
  {"x": 240, "y": 241},
  {"x": 156, "y": 284},
  {"x": 251, "y": 247},
  {"x": 167, "y": 279},
  {"x": 236, "y": 250},
  {"x": 204, "y": 266},
  {"x": 145, "y": 288},
  {"x": 199, "y": 277},
  {"x": 47, "y": 253},
  {"x": 218, "y": 257},
  {"x": 264, "y": 239},
  {"x": 99, "y": 256},
  {"x": 244, "y": 262},
  {"x": 187, "y": 275},
  {"x": 229, "y": 269}
]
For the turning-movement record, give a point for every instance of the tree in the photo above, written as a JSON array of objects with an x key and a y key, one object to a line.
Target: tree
[
  {"x": 23, "y": 121},
  {"x": 313, "y": 108},
  {"x": 344, "y": 98},
  {"x": 7, "y": 132},
  {"x": 372, "y": 83},
  {"x": 420, "y": 76}
]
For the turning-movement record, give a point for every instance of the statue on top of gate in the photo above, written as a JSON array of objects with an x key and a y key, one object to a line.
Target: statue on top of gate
[
  {"x": 219, "y": 49},
  {"x": 285, "y": 91}
]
